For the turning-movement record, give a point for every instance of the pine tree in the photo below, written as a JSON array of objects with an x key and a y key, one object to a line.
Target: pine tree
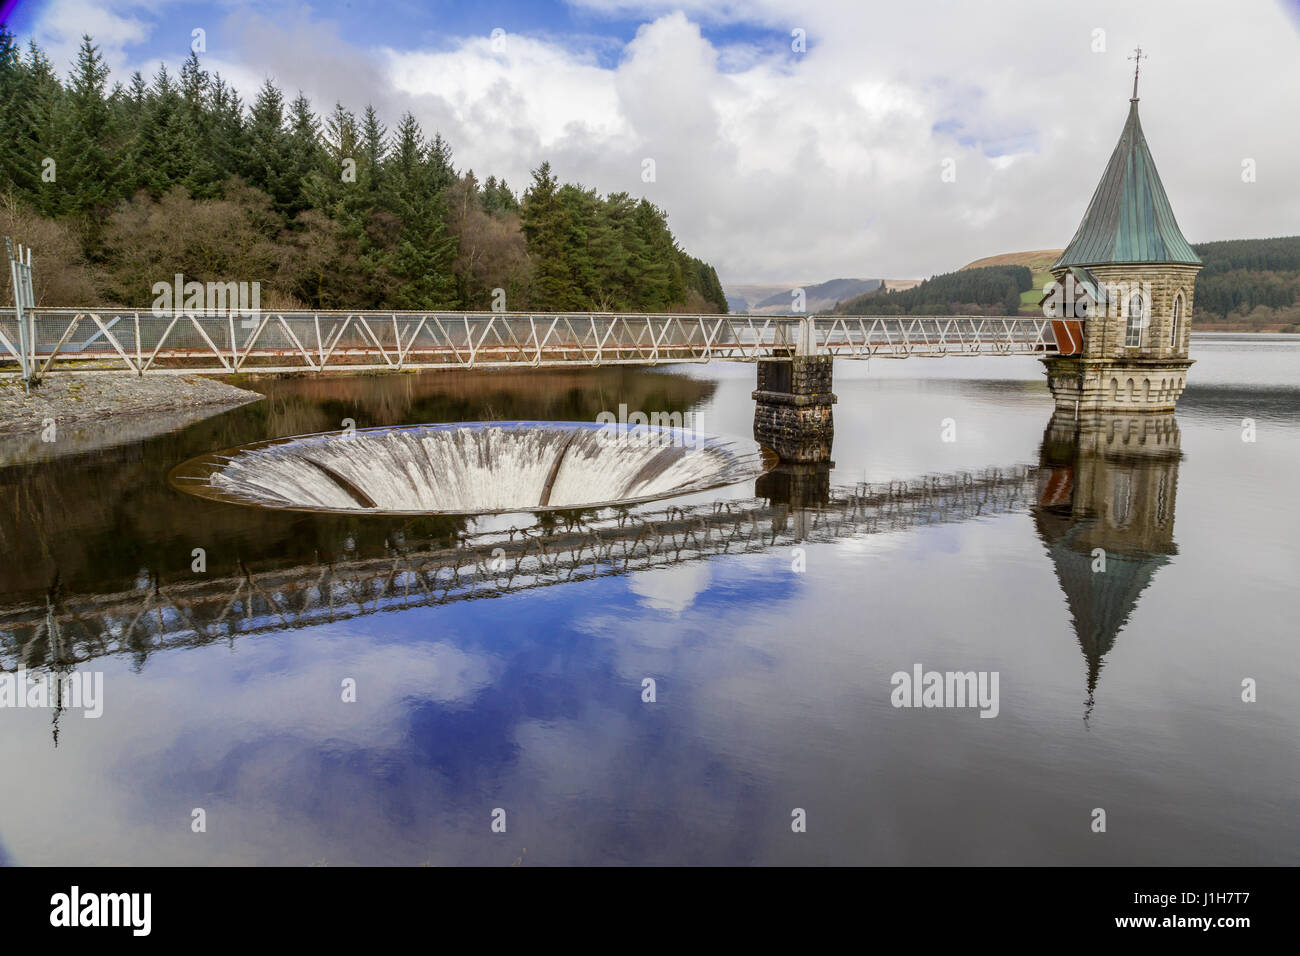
[
  {"x": 191, "y": 130},
  {"x": 226, "y": 124},
  {"x": 497, "y": 197},
  {"x": 422, "y": 261},
  {"x": 34, "y": 127},
  {"x": 373, "y": 150},
  {"x": 333, "y": 187},
  {"x": 89, "y": 175},
  {"x": 154, "y": 163},
  {"x": 543, "y": 218},
  {"x": 12, "y": 85},
  {"x": 305, "y": 153},
  {"x": 269, "y": 164}
]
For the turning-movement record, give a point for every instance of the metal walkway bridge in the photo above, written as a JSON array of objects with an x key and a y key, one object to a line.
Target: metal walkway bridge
[
  {"x": 64, "y": 631},
  {"x": 38, "y": 340}
]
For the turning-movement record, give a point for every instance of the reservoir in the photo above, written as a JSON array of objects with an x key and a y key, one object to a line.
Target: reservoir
[{"x": 701, "y": 679}]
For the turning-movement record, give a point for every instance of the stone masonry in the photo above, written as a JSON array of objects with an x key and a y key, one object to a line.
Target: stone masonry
[
  {"x": 792, "y": 414},
  {"x": 1110, "y": 376}
]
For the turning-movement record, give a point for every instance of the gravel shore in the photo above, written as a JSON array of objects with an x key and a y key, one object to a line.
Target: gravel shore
[{"x": 108, "y": 404}]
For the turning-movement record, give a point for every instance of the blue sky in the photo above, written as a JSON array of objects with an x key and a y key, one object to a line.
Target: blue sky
[
  {"x": 409, "y": 24},
  {"x": 782, "y": 165}
]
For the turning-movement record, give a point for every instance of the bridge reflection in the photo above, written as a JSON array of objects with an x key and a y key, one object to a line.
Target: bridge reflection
[
  {"x": 795, "y": 504},
  {"x": 1107, "y": 489},
  {"x": 1102, "y": 500}
]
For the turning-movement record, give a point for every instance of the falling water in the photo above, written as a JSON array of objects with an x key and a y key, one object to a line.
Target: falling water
[{"x": 470, "y": 468}]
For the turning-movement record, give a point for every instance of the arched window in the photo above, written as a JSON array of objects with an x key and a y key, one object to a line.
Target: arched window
[
  {"x": 1137, "y": 319},
  {"x": 1178, "y": 320}
]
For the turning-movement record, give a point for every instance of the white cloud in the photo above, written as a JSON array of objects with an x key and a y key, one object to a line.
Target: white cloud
[
  {"x": 779, "y": 167},
  {"x": 672, "y": 589},
  {"x": 63, "y": 23}
]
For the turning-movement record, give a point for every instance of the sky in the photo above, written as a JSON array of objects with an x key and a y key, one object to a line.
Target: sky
[{"x": 792, "y": 142}]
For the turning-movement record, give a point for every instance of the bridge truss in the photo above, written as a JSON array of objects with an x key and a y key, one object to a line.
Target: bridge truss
[{"x": 225, "y": 343}]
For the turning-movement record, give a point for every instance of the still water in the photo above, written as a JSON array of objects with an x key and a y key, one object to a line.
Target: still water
[{"x": 772, "y": 662}]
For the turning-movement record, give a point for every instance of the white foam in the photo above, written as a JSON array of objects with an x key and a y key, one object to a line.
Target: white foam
[{"x": 481, "y": 468}]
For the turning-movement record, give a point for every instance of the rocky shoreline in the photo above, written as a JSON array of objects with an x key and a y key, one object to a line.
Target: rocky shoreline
[{"x": 79, "y": 412}]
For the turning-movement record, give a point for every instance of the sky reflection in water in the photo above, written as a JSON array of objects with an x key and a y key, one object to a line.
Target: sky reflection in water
[{"x": 773, "y": 688}]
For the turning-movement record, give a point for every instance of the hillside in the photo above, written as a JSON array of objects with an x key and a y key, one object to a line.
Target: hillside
[
  {"x": 1249, "y": 285},
  {"x": 1038, "y": 262},
  {"x": 988, "y": 290},
  {"x": 1246, "y": 285}
]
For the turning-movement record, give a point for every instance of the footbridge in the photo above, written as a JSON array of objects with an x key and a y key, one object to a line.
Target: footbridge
[
  {"x": 34, "y": 342},
  {"x": 795, "y": 354}
]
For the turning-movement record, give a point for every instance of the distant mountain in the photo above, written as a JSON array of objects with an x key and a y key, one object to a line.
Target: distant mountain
[
  {"x": 821, "y": 296},
  {"x": 779, "y": 300}
]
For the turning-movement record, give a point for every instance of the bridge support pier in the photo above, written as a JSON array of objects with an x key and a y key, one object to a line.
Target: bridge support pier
[
  {"x": 792, "y": 414},
  {"x": 798, "y": 486}
]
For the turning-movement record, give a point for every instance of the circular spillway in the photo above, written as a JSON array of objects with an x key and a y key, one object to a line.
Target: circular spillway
[{"x": 471, "y": 468}]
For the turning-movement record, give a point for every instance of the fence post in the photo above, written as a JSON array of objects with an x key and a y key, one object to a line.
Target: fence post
[
  {"x": 805, "y": 344},
  {"x": 20, "y": 271},
  {"x": 31, "y": 311},
  {"x": 18, "y": 309}
]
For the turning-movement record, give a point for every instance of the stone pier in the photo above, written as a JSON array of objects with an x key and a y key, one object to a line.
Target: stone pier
[
  {"x": 799, "y": 486},
  {"x": 792, "y": 412},
  {"x": 1089, "y": 385}
]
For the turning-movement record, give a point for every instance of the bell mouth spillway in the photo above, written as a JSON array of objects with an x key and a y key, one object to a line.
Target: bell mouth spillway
[{"x": 471, "y": 468}]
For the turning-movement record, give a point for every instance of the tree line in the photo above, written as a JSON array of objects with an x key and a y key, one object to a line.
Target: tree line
[
  {"x": 119, "y": 186},
  {"x": 1242, "y": 275},
  {"x": 989, "y": 290}
]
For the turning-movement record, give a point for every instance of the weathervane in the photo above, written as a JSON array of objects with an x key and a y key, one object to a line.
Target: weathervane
[{"x": 1137, "y": 58}]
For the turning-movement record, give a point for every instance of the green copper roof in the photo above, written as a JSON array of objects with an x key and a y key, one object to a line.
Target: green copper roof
[{"x": 1129, "y": 218}]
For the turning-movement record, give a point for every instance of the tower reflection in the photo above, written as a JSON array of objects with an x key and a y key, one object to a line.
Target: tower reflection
[{"x": 1105, "y": 512}]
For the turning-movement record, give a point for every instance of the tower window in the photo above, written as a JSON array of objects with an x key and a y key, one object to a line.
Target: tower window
[
  {"x": 1178, "y": 319},
  {"x": 1137, "y": 318}
]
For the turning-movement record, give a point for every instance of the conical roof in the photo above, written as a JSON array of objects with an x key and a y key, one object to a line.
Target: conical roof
[
  {"x": 1129, "y": 218},
  {"x": 1101, "y": 603}
]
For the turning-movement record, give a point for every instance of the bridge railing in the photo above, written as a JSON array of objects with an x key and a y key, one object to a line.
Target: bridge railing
[{"x": 200, "y": 341}]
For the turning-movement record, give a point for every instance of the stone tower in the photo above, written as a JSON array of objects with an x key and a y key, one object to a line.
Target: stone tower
[{"x": 1128, "y": 277}]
